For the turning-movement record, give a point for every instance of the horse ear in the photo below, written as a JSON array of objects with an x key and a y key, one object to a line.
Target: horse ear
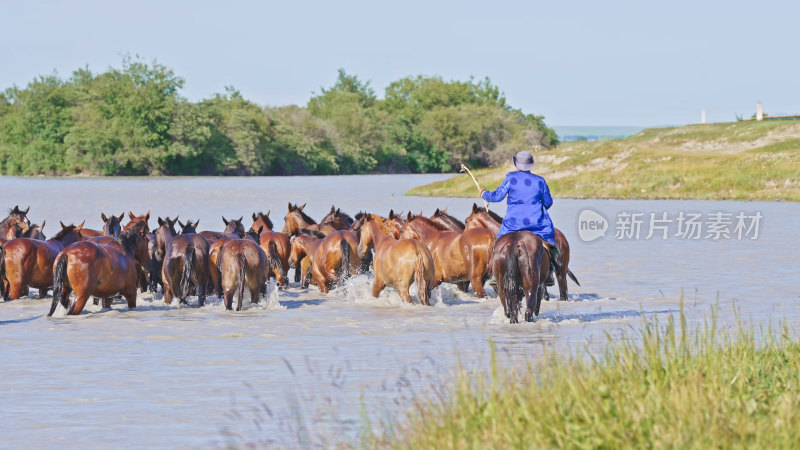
[
  {"x": 240, "y": 219},
  {"x": 474, "y": 207},
  {"x": 121, "y": 216},
  {"x": 179, "y": 223},
  {"x": 267, "y": 214},
  {"x": 408, "y": 219},
  {"x": 290, "y": 207},
  {"x": 147, "y": 216},
  {"x": 254, "y": 217},
  {"x": 80, "y": 227},
  {"x": 15, "y": 210},
  {"x": 62, "y": 224},
  {"x": 130, "y": 214},
  {"x": 197, "y": 223},
  {"x": 26, "y": 211},
  {"x": 160, "y": 221},
  {"x": 42, "y": 226},
  {"x": 172, "y": 224},
  {"x": 302, "y": 207},
  {"x": 224, "y": 221},
  {"x": 103, "y": 216},
  {"x": 444, "y": 210},
  {"x": 333, "y": 208},
  {"x": 436, "y": 213},
  {"x": 391, "y": 214}
]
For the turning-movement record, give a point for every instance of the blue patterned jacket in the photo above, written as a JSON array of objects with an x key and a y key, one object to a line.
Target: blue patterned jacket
[{"x": 528, "y": 202}]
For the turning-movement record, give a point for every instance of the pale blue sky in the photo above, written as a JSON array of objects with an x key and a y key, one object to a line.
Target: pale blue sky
[{"x": 575, "y": 62}]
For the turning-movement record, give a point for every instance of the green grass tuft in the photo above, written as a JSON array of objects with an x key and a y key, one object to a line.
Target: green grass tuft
[{"x": 668, "y": 388}]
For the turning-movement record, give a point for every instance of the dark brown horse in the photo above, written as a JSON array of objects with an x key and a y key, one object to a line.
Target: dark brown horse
[
  {"x": 28, "y": 262},
  {"x": 296, "y": 220},
  {"x": 157, "y": 247},
  {"x": 16, "y": 224},
  {"x": 337, "y": 219},
  {"x": 185, "y": 264},
  {"x": 111, "y": 226},
  {"x": 483, "y": 219},
  {"x": 242, "y": 264},
  {"x": 397, "y": 263},
  {"x": 36, "y": 232},
  {"x": 459, "y": 258},
  {"x": 520, "y": 264},
  {"x": 100, "y": 270}
]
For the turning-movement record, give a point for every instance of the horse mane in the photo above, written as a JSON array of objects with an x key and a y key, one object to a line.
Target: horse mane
[
  {"x": 128, "y": 238},
  {"x": 305, "y": 217},
  {"x": 456, "y": 221},
  {"x": 266, "y": 220},
  {"x": 63, "y": 232},
  {"x": 359, "y": 215},
  {"x": 316, "y": 234},
  {"x": 492, "y": 214},
  {"x": 428, "y": 221}
]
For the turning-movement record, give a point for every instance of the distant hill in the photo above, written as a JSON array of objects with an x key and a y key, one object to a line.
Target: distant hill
[{"x": 744, "y": 160}]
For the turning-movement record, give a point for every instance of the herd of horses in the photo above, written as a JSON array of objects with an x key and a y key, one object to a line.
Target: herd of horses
[{"x": 120, "y": 260}]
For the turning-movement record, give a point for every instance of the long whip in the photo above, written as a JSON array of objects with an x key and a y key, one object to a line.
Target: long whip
[{"x": 464, "y": 168}]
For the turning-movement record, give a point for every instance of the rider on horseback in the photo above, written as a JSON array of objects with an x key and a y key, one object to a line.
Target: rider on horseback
[{"x": 528, "y": 201}]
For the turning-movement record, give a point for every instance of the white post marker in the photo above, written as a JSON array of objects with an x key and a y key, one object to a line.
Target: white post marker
[
  {"x": 464, "y": 168},
  {"x": 759, "y": 111}
]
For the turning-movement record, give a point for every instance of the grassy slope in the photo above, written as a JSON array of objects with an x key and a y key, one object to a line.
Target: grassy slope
[
  {"x": 672, "y": 390},
  {"x": 746, "y": 160}
]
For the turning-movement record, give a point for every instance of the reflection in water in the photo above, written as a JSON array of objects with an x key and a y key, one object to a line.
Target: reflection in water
[{"x": 299, "y": 366}]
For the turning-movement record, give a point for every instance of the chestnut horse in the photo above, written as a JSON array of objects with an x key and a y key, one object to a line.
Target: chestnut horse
[
  {"x": 241, "y": 263},
  {"x": 397, "y": 263},
  {"x": 331, "y": 257},
  {"x": 337, "y": 219},
  {"x": 16, "y": 217},
  {"x": 135, "y": 220},
  {"x": 520, "y": 264},
  {"x": 102, "y": 270},
  {"x": 303, "y": 246},
  {"x": 483, "y": 219},
  {"x": 460, "y": 258},
  {"x": 233, "y": 230},
  {"x": 276, "y": 246},
  {"x": 185, "y": 263},
  {"x": 296, "y": 219},
  {"x": 28, "y": 262}
]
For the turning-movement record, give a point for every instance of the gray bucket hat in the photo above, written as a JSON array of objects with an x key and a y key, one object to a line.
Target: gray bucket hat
[{"x": 523, "y": 160}]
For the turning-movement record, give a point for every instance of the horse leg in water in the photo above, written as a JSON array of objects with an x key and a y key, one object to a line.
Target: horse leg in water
[
  {"x": 42, "y": 292},
  {"x": 378, "y": 284},
  {"x": 78, "y": 304},
  {"x": 463, "y": 286},
  {"x": 106, "y": 302}
]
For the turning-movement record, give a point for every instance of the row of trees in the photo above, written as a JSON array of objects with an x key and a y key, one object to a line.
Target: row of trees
[{"x": 133, "y": 121}]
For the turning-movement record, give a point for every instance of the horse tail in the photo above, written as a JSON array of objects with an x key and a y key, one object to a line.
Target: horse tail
[
  {"x": 274, "y": 259},
  {"x": 512, "y": 283},
  {"x": 346, "y": 256},
  {"x": 59, "y": 284},
  {"x": 419, "y": 278},
  {"x": 3, "y": 291},
  {"x": 189, "y": 265},
  {"x": 572, "y": 275},
  {"x": 242, "y": 262}
]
